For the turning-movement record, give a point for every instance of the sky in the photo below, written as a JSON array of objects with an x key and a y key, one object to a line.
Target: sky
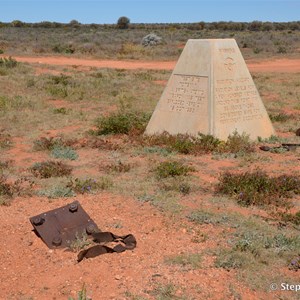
[{"x": 149, "y": 11}]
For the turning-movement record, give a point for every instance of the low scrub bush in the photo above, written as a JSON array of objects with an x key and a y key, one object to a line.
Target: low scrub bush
[
  {"x": 177, "y": 184},
  {"x": 151, "y": 40},
  {"x": 183, "y": 143},
  {"x": 81, "y": 241},
  {"x": 89, "y": 185},
  {"x": 257, "y": 243},
  {"x": 58, "y": 91},
  {"x": 50, "y": 143},
  {"x": 281, "y": 117},
  {"x": 50, "y": 169},
  {"x": 201, "y": 144},
  {"x": 206, "y": 217},
  {"x": 5, "y": 164},
  {"x": 68, "y": 49},
  {"x": 172, "y": 169},
  {"x": 64, "y": 153},
  {"x": 289, "y": 218},
  {"x": 229, "y": 259},
  {"x": 9, "y": 189},
  {"x": 8, "y": 63},
  {"x": 60, "y": 79},
  {"x": 5, "y": 139},
  {"x": 237, "y": 143},
  {"x": 122, "y": 123},
  {"x": 258, "y": 188},
  {"x": 61, "y": 111},
  {"x": 100, "y": 143},
  {"x": 58, "y": 191},
  {"x": 273, "y": 139},
  {"x": 16, "y": 103},
  {"x": 119, "y": 167},
  {"x": 6, "y": 190}
]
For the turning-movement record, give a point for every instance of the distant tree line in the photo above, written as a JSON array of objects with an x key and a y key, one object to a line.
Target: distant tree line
[{"x": 222, "y": 25}]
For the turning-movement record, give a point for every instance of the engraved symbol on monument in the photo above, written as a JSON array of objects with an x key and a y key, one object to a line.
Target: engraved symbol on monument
[{"x": 229, "y": 63}]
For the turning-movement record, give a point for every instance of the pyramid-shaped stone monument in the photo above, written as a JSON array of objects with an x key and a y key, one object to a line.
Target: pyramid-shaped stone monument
[{"x": 212, "y": 92}]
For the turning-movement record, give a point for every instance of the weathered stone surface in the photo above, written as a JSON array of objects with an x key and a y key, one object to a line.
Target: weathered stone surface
[{"x": 211, "y": 91}]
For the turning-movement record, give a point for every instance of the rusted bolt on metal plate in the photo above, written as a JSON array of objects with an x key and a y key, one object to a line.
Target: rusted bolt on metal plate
[
  {"x": 73, "y": 207},
  {"x": 38, "y": 221},
  {"x": 90, "y": 229},
  {"x": 57, "y": 241}
]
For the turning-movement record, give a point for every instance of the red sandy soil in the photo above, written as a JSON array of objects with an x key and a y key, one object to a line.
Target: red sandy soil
[
  {"x": 32, "y": 271},
  {"x": 277, "y": 65}
]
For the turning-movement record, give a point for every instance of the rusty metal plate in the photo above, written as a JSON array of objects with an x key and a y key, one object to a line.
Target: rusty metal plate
[{"x": 60, "y": 226}]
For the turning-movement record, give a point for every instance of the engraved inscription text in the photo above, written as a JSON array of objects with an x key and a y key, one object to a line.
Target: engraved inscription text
[
  {"x": 237, "y": 100},
  {"x": 187, "y": 93}
]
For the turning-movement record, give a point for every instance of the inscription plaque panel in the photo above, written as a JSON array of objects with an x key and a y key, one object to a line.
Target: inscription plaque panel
[
  {"x": 237, "y": 100},
  {"x": 186, "y": 94}
]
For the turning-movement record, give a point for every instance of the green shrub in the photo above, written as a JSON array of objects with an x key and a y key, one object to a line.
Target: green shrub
[
  {"x": 16, "y": 103},
  {"x": 229, "y": 259},
  {"x": 177, "y": 184},
  {"x": 60, "y": 79},
  {"x": 119, "y": 167},
  {"x": 256, "y": 243},
  {"x": 64, "y": 153},
  {"x": 9, "y": 189},
  {"x": 8, "y": 63},
  {"x": 281, "y": 117},
  {"x": 123, "y": 22},
  {"x": 5, "y": 139},
  {"x": 157, "y": 150},
  {"x": 6, "y": 190},
  {"x": 258, "y": 188},
  {"x": 186, "y": 144},
  {"x": 206, "y": 217},
  {"x": 183, "y": 143},
  {"x": 58, "y": 191},
  {"x": 123, "y": 123},
  {"x": 257, "y": 50},
  {"x": 271, "y": 140},
  {"x": 237, "y": 143},
  {"x": 288, "y": 217},
  {"x": 172, "y": 169},
  {"x": 58, "y": 91},
  {"x": 61, "y": 110},
  {"x": 5, "y": 164},
  {"x": 82, "y": 294},
  {"x": 282, "y": 50},
  {"x": 80, "y": 242},
  {"x": 89, "y": 185},
  {"x": 45, "y": 143},
  {"x": 50, "y": 169}
]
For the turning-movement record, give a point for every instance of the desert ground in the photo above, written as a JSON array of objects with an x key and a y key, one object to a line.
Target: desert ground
[{"x": 196, "y": 238}]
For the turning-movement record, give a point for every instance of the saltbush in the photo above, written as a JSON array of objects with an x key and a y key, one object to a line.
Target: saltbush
[
  {"x": 8, "y": 63},
  {"x": 172, "y": 169},
  {"x": 122, "y": 122},
  {"x": 258, "y": 188},
  {"x": 49, "y": 169},
  {"x": 151, "y": 40},
  {"x": 64, "y": 153}
]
